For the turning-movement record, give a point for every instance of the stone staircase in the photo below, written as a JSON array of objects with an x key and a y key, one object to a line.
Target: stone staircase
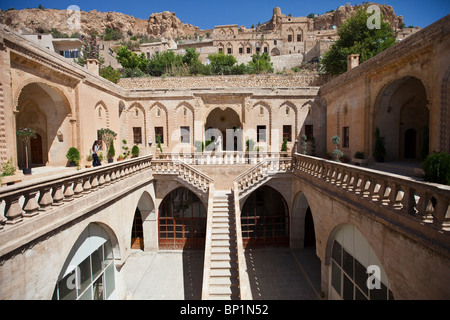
[{"x": 224, "y": 280}]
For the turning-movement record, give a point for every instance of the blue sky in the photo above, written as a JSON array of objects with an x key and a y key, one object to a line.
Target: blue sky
[{"x": 207, "y": 14}]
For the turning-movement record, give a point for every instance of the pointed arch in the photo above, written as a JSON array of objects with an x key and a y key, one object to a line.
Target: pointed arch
[
  {"x": 140, "y": 109},
  {"x": 291, "y": 105},
  {"x": 266, "y": 105},
  {"x": 158, "y": 104}
]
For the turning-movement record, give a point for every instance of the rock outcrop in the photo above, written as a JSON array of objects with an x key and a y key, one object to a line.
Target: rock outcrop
[
  {"x": 164, "y": 24},
  {"x": 336, "y": 18}
]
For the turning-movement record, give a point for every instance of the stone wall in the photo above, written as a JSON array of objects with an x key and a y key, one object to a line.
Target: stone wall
[{"x": 240, "y": 81}]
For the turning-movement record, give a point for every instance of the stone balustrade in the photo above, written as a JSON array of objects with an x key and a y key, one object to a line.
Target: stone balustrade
[
  {"x": 221, "y": 157},
  {"x": 259, "y": 172},
  {"x": 186, "y": 172},
  {"x": 396, "y": 198},
  {"x": 25, "y": 200}
]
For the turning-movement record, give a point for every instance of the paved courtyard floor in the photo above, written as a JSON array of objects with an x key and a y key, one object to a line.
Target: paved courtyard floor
[{"x": 274, "y": 274}]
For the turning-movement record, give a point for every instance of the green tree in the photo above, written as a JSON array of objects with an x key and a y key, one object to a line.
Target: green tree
[
  {"x": 164, "y": 63},
  {"x": 110, "y": 74},
  {"x": 222, "y": 63},
  {"x": 356, "y": 38},
  {"x": 260, "y": 63},
  {"x": 131, "y": 60},
  {"x": 191, "y": 59}
]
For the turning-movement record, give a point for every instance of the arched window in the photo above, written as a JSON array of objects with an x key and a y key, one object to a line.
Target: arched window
[
  {"x": 182, "y": 221},
  {"x": 351, "y": 260},
  {"x": 89, "y": 272},
  {"x": 265, "y": 219}
]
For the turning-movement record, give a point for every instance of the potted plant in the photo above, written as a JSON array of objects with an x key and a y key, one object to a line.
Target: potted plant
[
  {"x": 135, "y": 151},
  {"x": 379, "y": 151},
  {"x": 359, "y": 158},
  {"x": 25, "y": 134},
  {"x": 120, "y": 157},
  {"x": 108, "y": 137},
  {"x": 337, "y": 153},
  {"x": 303, "y": 143},
  {"x": 111, "y": 152},
  {"x": 73, "y": 155},
  {"x": 126, "y": 151},
  {"x": 89, "y": 158},
  {"x": 158, "y": 144}
]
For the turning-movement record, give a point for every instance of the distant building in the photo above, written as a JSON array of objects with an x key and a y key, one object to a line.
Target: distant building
[{"x": 69, "y": 48}]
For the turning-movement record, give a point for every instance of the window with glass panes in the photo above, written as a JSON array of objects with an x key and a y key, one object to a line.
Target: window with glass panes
[
  {"x": 265, "y": 219},
  {"x": 182, "y": 221},
  {"x": 92, "y": 279},
  {"x": 349, "y": 277}
]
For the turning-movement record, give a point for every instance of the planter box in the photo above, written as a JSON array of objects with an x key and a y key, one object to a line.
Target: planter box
[
  {"x": 360, "y": 162},
  {"x": 10, "y": 180}
]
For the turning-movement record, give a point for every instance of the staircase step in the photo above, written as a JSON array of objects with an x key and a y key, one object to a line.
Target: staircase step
[
  {"x": 223, "y": 264},
  {"x": 224, "y": 281},
  {"x": 223, "y": 273},
  {"x": 224, "y": 289}
]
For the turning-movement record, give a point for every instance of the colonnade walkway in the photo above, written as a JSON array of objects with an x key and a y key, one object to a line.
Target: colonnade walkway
[{"x": 274, "y": 274}]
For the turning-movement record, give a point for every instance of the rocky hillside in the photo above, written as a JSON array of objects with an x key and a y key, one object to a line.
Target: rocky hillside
[
  {"x": 164, "y": 24},
  {"x": 338, "y": 16}
]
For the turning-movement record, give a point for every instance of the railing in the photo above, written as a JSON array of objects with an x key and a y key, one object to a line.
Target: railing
[
  {"x": 184, "y": 171},
  {"x": 29, "y": 199},
  {"x": 221, "y": 157},
  {"x": 208, "y": 243},
  {"x": 245, "y": 292},
  {"x": 259, "y": 172},
  {"x": 426, "y": 203}
]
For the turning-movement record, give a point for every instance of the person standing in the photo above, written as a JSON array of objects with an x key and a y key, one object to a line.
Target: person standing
[{"x": 96, "y": 161}]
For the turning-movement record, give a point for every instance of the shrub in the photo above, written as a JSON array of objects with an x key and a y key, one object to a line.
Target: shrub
[
  {"x": 199, "y": 146},
  {"x": 250, "y": 144},
  {"x": 9, "y": 168},
  {"x": 73, "y": 155},
  {"x": 359, "y": 155},
  {"x": 111, "y": 150},
  {"x": 284, "y": 145},
  {"x": 135, "y": 151},
  {"x": 437, "y": 168}
]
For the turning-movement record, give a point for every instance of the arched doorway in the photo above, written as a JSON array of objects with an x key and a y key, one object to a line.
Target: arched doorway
[
  {"x": 182, "y": 221},
  {"x": 265, "y": 219},
  {"x": 224, "y": 123},
  {"x": 402, "y": 116},
  {"x": 137, "y": 231},
  {"x": 310, "y": 235},
  {"x": 36, "y": 150},
  {"x": 352, "y": 258},
  {"x": 410, "y": 144},
  {"x": 46, "y": 110},
  {"x": 89, "y": 272}
]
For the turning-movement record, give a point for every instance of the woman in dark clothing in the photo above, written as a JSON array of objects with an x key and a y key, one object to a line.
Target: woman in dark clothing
[{"x": 96, "y": 161}]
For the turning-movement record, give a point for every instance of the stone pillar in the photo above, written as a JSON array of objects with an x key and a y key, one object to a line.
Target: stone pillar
[{"x": 352, "y": 61}]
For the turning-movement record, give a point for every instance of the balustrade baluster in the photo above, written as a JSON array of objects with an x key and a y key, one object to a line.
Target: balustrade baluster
[
  {"x": 442, "y": 211},
  {"x": 425, "y": 207},
  {"x": 68, "y": 191},
  {"x": 78, "y": 190},
  {"x": 13, "y": 210},
  {"x": 95, "y": 182},
  {"x": 87, "y": 185},
  {"x": 45, "y": 198},
  {"x": 408, "y": 201},
  {"x": 30, "y": 206},
  {"x": 58, "y": 194}
]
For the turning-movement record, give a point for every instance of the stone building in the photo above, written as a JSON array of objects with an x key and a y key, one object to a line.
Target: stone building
[{"x": 83, "y": 225}]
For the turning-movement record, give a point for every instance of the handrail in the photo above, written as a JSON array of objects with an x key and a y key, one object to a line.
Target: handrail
[
  {"x": 43, "y": 194},
  {"x": 222, "y": 157},
  {"x": 184, "y": 171},
  {"x": 426, "y": 203},
  {"x": 262, "y": 170},
  {"x": 208, "y": 242},
  {"x": 245, "y": 293}
]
